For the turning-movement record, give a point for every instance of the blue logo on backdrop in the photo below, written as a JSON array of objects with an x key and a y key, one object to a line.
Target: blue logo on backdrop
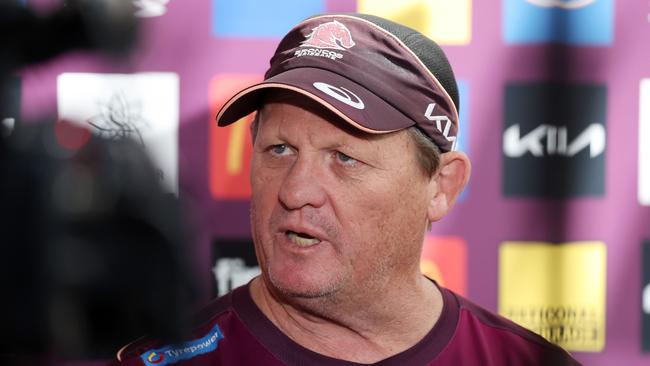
[
  {"x": 253, "y": 18},
  {"x": 576, "y": 22},
  {"x": 183, "y": 351},
  {"x": 463, "y": 134}
]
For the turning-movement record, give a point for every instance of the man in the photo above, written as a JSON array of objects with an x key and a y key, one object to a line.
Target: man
[{"x": 353, "y": 159}]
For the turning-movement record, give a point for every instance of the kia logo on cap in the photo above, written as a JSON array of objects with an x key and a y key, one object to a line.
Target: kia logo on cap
[{"x": 341, "y": 94}]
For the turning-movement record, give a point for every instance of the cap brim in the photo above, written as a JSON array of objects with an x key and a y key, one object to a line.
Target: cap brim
[{"x": 364, "y": 110}]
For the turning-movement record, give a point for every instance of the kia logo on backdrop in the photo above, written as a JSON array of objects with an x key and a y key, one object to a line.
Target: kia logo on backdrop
[{"x": 554, "y": 140}]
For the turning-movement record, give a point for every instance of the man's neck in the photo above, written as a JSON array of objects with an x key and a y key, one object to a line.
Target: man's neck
[{"x": 365, "y": 333}]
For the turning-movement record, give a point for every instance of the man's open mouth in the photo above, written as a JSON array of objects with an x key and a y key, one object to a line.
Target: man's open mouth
[{"x": 301, "y": 239}]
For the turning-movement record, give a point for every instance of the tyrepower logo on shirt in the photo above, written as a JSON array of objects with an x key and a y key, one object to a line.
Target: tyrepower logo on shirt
[
  {"x": 230, "y": 147},
  {"x": 444, "y": 259},
  {"x": 446, "y": 22},
  {"x": 556, "y": 290},
  {"x": 554, "y": 140},
  {"x": 184, "y": 351},
  {"x": 575, "y": 22}
]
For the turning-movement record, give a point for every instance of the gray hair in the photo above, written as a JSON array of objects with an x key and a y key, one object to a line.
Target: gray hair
[{"x": 428, "y": 153}]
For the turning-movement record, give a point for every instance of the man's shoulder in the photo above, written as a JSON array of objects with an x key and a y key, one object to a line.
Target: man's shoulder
[
  {"x": 497, "y": 336},
  {"x": 203, "y": 337}
]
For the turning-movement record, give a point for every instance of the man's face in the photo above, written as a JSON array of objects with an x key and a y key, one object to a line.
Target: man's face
[{"x": 334, "y": 210}]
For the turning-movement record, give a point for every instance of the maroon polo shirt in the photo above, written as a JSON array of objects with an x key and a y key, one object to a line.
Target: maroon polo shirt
[{"x": 234, "y": 331}]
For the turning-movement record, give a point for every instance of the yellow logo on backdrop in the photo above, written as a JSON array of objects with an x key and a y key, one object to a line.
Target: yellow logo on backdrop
[
  {"x": 446, "y": 22},
  {"x": 556, "y": 290}
]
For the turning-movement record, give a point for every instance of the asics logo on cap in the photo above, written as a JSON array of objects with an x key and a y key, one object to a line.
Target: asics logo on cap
[
  {"x": 332, "y": 35},
  {"x": 341, "y": 94}
]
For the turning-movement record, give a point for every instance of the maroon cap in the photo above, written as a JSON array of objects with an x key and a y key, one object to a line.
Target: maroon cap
[{"x": 376, "y": 75}]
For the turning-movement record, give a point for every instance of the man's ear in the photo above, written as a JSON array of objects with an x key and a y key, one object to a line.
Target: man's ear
[{"x": 450, "y": 180}]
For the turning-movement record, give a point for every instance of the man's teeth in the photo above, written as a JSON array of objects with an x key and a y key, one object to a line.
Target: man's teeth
[{"x": 302, "y": 240}]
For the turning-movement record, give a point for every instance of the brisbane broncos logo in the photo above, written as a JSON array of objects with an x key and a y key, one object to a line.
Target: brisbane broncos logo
[{"x": 332, "y": 35}]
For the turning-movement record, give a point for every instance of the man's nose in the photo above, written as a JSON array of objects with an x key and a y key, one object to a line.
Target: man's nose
[{"x": 303, "y": 184}]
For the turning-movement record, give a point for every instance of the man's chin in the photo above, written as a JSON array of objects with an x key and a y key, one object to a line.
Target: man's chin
[{"x": 303, "y": 288}]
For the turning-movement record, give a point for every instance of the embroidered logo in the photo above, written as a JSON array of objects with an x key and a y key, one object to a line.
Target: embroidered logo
[
  {"x": 443, "y": 124},
  {"x": 327, "y": 36},
  {"x": 332, "y": 35},
  {"x": 183, "y": 351}
]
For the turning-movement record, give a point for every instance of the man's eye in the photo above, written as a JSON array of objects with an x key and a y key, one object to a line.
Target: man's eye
[
  {"x": 280, "y": 149},
  {"x": 345, "y": 159}
]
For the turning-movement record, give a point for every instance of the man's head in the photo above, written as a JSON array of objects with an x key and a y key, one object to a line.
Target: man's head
[{"x": 353, "y": 155}]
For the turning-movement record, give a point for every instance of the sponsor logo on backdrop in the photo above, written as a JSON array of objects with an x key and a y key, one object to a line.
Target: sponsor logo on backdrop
[
  {"x": 444, "y": 259},
  {"x": 230, "y": 148},
  {"x": 142, "y": 107},
  {"x": 554, "y": 140},
  {"x": 643, "y": 180},
  {"x": 150, "y": 8},
  {"x": 556, "y": 290},
  {"x": 447, "y": 22},
  {"x": 184, "y": 351},
  {"x": 120, "y": 118},
  {"x": 263, "y": 19},
  {"x": 577, "y": 22},
  {"x": 645, "y": 297},
  {"x": 234, "y": 265},
  {"x": 10, "y": 99},
  {"x": 546, "y": 140}
]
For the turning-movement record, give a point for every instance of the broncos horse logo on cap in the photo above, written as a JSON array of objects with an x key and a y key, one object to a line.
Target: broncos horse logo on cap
[{"x": 329, "y": 35}]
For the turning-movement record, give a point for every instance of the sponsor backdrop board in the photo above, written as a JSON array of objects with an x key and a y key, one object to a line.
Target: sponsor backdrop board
[{"x": 554, "y": 105}]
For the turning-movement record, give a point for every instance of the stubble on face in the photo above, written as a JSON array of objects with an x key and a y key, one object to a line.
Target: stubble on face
[{"x": 277, "y": 282}]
